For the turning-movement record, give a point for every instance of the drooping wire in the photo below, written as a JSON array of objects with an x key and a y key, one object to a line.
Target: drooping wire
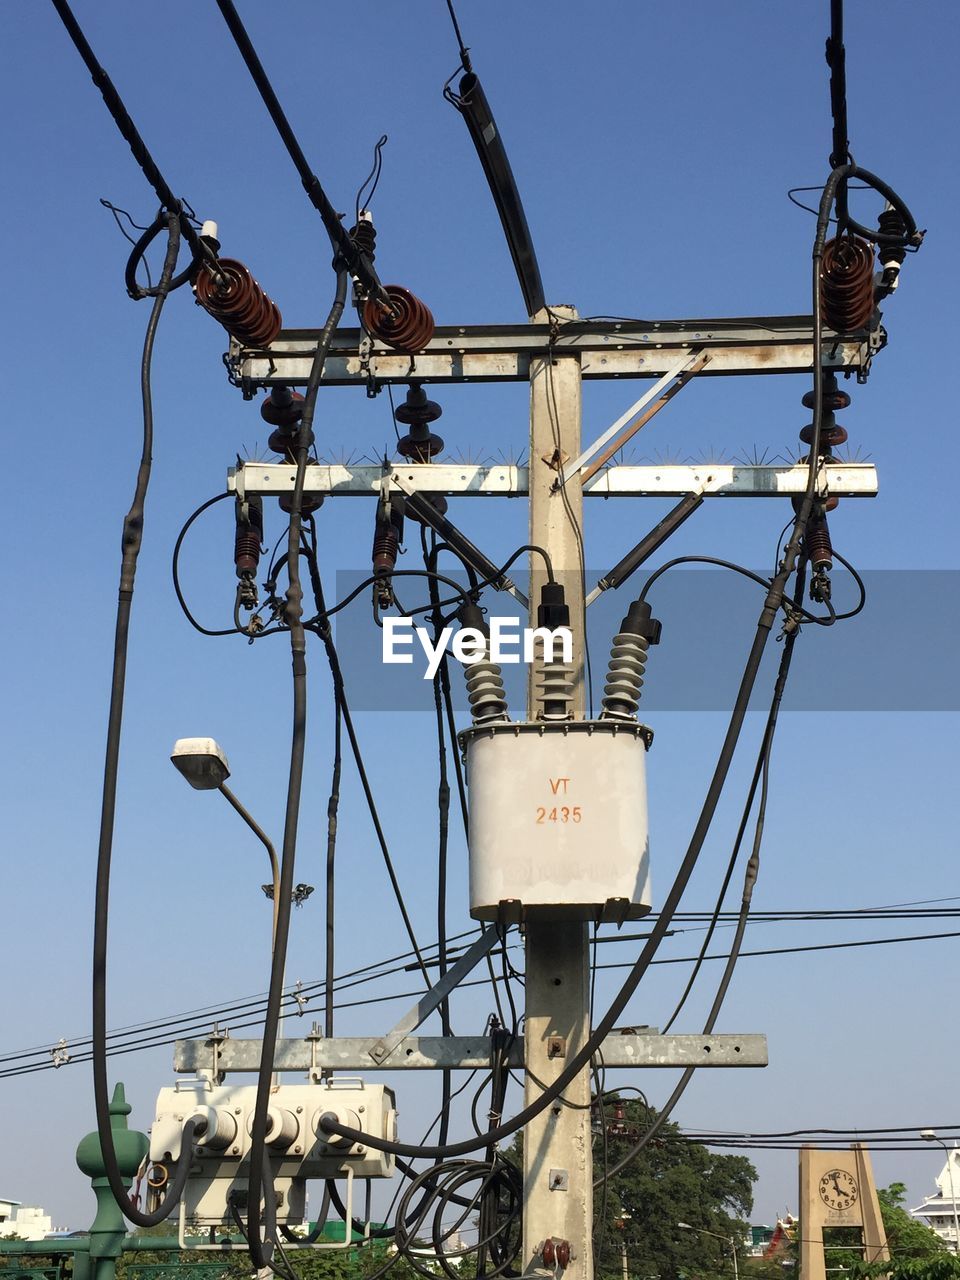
[
  {"x": 116, "y": 211},
  {"x": 363, "y": 201}
]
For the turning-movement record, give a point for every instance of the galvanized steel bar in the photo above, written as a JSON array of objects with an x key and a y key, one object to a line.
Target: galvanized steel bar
[{"x": 464, "y": 1053}]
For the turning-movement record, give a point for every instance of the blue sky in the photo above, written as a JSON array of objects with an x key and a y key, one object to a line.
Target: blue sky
[{"x": 653, "y": 146}]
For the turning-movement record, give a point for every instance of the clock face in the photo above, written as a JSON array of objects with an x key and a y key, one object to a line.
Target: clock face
[{"x": 838, "y": 1189}]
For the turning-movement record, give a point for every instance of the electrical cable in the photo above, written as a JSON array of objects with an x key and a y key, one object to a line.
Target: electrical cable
[
  {"x": 322, "y": 629},
  {"x": 357, "y": 262},
  {"x": 132, "y": 540},
  {"x": 205, "y": 631},
  {"x": 805, "y": 613},
  {"x": 294, "y": 621},
  {"x": 373, "y": 176},
  {"x": 431, "y": 557},
  {"x": 128, "y": 130},
  {"x": 761, "y": 774}
]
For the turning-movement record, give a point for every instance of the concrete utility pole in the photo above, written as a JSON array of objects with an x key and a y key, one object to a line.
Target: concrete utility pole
[{"x": 557, "y": 1154}]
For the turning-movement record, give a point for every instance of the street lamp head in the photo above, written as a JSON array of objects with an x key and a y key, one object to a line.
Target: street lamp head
[
  {"x": 686, "y": 1226},
  {"x": 928, "y": 1135},
  {"x": 202, "y": 762}
]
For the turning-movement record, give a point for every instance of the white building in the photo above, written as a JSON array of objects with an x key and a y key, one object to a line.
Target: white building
[
  {"x": 939, "y": 1211},
  {"x": 27, "y": 1222}
]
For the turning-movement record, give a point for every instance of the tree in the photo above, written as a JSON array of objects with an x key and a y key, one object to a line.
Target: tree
[{"x": 906, "y": 1237}]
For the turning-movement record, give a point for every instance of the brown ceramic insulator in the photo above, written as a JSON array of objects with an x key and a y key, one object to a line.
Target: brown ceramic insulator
[
  {"x": 282, "y": 408},
  {"x": 309, "y": 503},
  {"x": 386, "y": 545},
  {"x": 235, "y": 299},
  {"x": 817, "y": 544},
  {"x": 846, "y": 284},
  {"x": 408, "y": 326},
  {"x": 246, "y": 546},
  {"x": 419, "y": 446},
  {"x": 831, "y": 434},
  {"x": 563, "y": 1254},
  {"x": 832, "y": 397},
  {"x": 416, "y": 408},
  {"x": 284, "y": 442},
  {"x": 364, "y": 236},
  {"x": 549, "y": 1253}
]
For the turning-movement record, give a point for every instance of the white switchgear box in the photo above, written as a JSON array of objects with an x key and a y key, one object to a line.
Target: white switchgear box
[
  {"x": 558, "y": 820},
  {"x": 296, "y": 1145}
]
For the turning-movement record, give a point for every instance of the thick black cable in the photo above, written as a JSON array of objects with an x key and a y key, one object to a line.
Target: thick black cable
[
  {"x": 837, "y": 62},
  {"x": 357, "y": 263},
  {"x": 333, "y": 804},
  {"x": 298, "y": 647},
  {"x": 131, "y": 543},
  {"x": 144, "y": 159}
]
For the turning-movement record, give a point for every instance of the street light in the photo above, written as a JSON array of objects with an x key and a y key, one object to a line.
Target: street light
[
  {"x": 929, "y": 1135},
  {"x": 204, "y": 765},
  {"x": 716, "y": 1235},
  {"x": 622, "y": 1221}
]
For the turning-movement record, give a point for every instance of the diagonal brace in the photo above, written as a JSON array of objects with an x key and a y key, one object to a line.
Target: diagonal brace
[
  {"x": 682, "y": 366},
  {"x": 430, "y": 1000}
]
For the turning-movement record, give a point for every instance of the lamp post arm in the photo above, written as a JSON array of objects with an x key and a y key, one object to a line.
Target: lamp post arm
[{"x": 265, "y": 841}]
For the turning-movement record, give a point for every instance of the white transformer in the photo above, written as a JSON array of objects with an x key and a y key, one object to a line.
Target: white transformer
[
  {"x": 297, "y": 1147},
  {"x": 558, "y": 820}
]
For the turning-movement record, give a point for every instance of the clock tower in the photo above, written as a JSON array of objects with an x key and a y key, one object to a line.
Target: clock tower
[{"x": 837, "y": 1190}]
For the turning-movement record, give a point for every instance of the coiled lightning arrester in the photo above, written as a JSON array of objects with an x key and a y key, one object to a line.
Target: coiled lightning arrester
[
  {"x": 231, "y": 295},
  {"x": 404, "y": 322},
  {"x": 556, "y": 677},
  {"x": 387, "y": 537},
  {"x": 846, "y": 284},
  {"x": 246, "y": 548},
  {"x": 628, "y": 660},
  {"x": 816, "y": 538},
  {"x": 484, "y": 678}
]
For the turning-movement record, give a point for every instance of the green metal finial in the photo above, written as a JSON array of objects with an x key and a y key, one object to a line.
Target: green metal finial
[{"x": 109, "y": 1228}]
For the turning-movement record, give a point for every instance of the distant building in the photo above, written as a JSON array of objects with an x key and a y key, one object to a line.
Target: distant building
[
  {"x": 29, "y": 1222},
  {"x": 937, "y": 1211}
]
